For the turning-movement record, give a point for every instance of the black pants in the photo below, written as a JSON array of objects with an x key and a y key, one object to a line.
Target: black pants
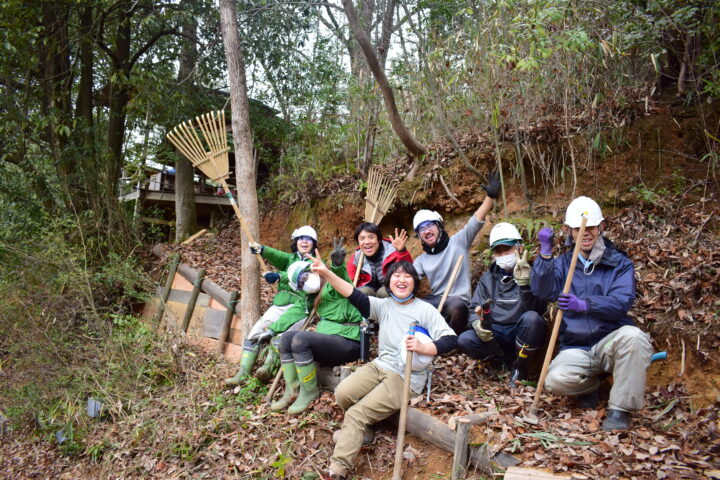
[
  {"x": 528, "y": 334},
  {"x": 455, "y": 311},
  {"x": 307, "y": 347}
]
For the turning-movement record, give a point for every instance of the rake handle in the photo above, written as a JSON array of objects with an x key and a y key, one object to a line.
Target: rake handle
[
  {"x": 243, "y": 225},
  {"x": 449, "y": 286},
  {"x": 558, "y": 320}
]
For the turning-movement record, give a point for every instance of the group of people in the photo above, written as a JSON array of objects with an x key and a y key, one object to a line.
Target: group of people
[{"x": 500, "y": 323}]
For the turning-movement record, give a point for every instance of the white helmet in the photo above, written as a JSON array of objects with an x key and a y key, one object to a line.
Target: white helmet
[
  {"x": 294, "y": 271},
  {"x": 504, "y": 234},
  {"x": 583, "y": 206},
  {"x": 419, "y": 361},
  {"x": 425, "y": 216},
  {"x": 304, "y": 231}
]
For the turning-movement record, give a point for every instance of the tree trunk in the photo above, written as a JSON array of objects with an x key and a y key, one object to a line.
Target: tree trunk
[
  {"x": 185, "y": 210},
  {"x": 244, "y": 161},
  {"x": 83, "y": 107},
  {"x": 414, "y": 147},
  {"x": 119, "y": 98}
]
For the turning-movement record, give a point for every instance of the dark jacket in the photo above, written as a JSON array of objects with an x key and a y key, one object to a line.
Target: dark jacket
[
  {"x": 510, "y": 300},
  {"x": 608, "y": 289}
]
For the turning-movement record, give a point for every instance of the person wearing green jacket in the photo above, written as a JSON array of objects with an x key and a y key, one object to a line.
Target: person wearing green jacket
[
  {"x": 336, "y": 340},
  {"x": 290, "y": 307}
]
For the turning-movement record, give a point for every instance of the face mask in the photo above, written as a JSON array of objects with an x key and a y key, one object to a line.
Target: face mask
[
  {"x": 312, "y": 284},
  {"x": 506, "y": 262}
]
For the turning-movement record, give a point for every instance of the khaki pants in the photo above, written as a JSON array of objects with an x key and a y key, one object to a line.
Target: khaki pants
[
  {"x": 624, "y": 353},
  {"x": 369, "y": 395}
]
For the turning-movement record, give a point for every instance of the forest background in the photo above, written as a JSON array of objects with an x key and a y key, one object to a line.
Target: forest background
[{"x": 545, "y": 90}]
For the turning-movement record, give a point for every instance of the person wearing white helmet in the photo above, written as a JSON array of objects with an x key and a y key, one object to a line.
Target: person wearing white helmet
[
  {"x": 507, "y": 328},
  {"x": 443, "y": 250},
  {"x": 597, "y": 337},
  {"x": 289, "y": 309},
  {"x": 374, "y": 391}
]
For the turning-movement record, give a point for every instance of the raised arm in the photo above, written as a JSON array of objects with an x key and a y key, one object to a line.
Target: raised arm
[{"x": 343, "y": 287}]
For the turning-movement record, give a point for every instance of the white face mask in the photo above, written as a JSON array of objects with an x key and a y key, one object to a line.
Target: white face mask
[
  {"x": 312, "y": 283},
  {"x": 506, "y": 262}
]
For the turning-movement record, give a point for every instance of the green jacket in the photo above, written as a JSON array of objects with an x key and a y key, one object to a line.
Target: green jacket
[
  {"x": 335, "y": 311},
  {"x": 301, "y": 302}
]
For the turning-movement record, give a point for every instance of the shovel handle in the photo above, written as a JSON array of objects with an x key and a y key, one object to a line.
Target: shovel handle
[{"x": 558, "y": 321}]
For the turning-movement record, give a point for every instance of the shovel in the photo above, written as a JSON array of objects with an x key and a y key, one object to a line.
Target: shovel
[{"x": 531, "y": 417}]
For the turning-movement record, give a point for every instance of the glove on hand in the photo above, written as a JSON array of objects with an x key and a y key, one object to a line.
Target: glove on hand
[
  {"x": 484, "y": 335},
  {"x": 256, "y": 248},
  {"x": 264, "y": 337},
  {"x": 338, "y": 254},
  {"x": 522, "y": 270},
  {"x": 545, "y": 237},
  {"x": 492, "y": 188},
  {"x": 271, "y": 277},
  {"x": 568, "y": 301}
]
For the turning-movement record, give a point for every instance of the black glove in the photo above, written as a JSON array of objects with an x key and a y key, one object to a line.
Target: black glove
[
  {"x": 256, "y": 248},
  {"x": 338, "y": 254},
  {"x": 492, "y": 188},
  {"x": 271, "y": 277}
]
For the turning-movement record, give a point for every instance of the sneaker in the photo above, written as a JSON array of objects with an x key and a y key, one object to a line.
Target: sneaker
[{"x": 616, "y": 420}]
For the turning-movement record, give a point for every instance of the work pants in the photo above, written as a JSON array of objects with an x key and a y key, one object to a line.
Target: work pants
[
  {"x": 455, "y": 311},
  {"x": 303, "y": 348},
  {"x": 368, "y": 396},
  {"x": 624, "y": 353},
  {"x": 528, "y": 334},
  {"x": 270, "y": 316}
]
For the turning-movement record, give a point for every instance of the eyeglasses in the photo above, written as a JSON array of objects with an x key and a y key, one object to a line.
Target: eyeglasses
[
  {"x": 305, "y": 238},
  {"x": 423, "y": 227}
]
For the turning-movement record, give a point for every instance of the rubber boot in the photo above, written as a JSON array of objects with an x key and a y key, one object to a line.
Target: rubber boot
[
  {"x": 291, "y": 387},
  {"x": 616, "y": 420},
  {"x": 520, "y": 368},
  {"x": 268, "y": 369},
  {"x": 309, "y": 391},
  {"x": 246, "y": 365}
]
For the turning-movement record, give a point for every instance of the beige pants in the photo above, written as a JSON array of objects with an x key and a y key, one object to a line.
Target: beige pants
[
  {"x": 624, "y": 353},
  {"x": 369, "y": 395}
]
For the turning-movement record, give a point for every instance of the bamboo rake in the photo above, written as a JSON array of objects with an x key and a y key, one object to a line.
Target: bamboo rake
[
  {"x": 213, "y": 161},
  {"x": 381, "y": 194}
]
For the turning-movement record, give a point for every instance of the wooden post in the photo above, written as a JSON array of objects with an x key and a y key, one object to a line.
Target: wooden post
[
  {"x": 193, "y": 300},
  {"x": 229, "y": 313},
  {"x": 460, "y": 454},
  {"x": 174, "y": 261}
]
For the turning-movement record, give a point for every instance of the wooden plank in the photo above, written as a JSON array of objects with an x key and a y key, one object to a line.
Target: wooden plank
[
  {"x": 522, "y": 473},
  {"x": 460, "y": 453},
  {"x": 193, "y": 300},
  {"x": 194, "y": 236},
  {"x": 227, "y": 320}
]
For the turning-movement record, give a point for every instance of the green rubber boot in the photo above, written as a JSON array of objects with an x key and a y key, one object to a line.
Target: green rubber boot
[
  {"x": 309, "y": 391},
  {"x": 272, "y": 363},
  {"x": 246, "y": 365},
  {"x": 291, "y": 387}
]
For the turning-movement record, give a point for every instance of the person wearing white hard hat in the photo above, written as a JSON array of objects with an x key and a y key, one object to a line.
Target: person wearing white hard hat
[
  {"x": 443, "y": 250},
  {"x": 597, "y": 337},
  {"x": 507, "y": 328},
  {"x": 290, "y": 307},
  {"x": 375, "y": 391}
]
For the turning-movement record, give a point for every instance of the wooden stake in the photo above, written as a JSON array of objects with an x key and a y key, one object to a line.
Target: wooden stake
[
  {"x": 402, "y": 421},
  {"x": 229, "y": 313},
  {"x": 174, "y": 261},
  {"x": 194, "y": 236},
  {"x": 532, "y": 415},
  {"x": 193, "y": 300},
  {"x": 460, "y": 454}
]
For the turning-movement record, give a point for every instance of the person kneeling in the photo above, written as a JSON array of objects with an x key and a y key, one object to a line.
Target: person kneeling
[{"x": 375, "y": 390}]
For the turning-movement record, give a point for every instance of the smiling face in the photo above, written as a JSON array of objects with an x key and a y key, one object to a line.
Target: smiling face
[
  {"x": 402, "y": 284},
  {"x": 588, "y": 240},
  {"x": 368, "y": 243},
  {"x": 304, "y": 245},
  {"x": 428, "y": 233}
]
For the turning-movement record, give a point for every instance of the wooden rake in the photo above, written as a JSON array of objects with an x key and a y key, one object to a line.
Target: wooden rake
[
  {"x": 211, "y": 160},
  {"x": 381, "y": 194}
]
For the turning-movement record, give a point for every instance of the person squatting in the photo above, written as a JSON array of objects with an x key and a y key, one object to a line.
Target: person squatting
[{"x": 500, "y": 325}]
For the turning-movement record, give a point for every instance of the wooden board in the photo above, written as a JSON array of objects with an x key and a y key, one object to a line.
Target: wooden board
[{"x": 522, "y": 473}]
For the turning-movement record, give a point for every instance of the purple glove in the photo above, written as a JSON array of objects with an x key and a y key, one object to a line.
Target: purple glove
[
  {"x": 568, "y": 301},
  {"x": 545, "y": 237}
]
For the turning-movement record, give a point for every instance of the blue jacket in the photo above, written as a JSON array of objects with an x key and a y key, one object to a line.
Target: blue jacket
[{"x": 609, "y": 290}]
